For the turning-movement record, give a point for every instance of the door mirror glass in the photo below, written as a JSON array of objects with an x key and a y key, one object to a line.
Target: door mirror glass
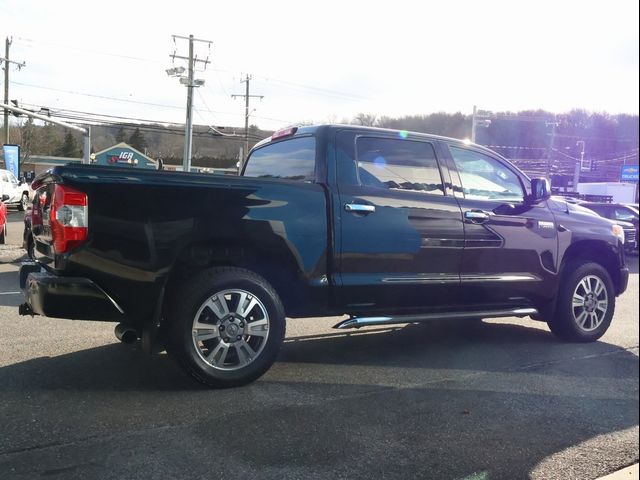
[{"x": 540, "y": 190}]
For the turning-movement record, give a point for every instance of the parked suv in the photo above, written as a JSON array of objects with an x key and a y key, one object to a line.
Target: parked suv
[
  {"x": 385, "y": 226},
  {"x": 19, "y": 192}
]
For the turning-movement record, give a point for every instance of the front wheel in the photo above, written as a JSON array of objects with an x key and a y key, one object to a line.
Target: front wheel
[
  {"x": 227, "y": 326},
  {"x": 585, "y": 304}
]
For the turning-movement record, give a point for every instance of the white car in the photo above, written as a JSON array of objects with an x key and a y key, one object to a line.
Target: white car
[{"x": 19, "y": 192}]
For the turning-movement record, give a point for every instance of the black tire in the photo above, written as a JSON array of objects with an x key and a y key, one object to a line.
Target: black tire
[
  {"x": 566, "y": 321},
  {"x": 182, "y": 343},
  {"x": 24, "y": 202},
  {"x": 3, "y": 234},
  {"x": 30, "y": 247}
]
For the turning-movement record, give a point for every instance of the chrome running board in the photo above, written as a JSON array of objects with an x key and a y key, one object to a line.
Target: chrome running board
[{"x": 357, "y": 322}]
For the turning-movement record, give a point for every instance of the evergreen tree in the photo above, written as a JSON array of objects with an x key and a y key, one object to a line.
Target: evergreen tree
[
  {"x": 121, "y": 135},
  {"x": 69, "y": 147},
  {"x": 137, "y": 140}
]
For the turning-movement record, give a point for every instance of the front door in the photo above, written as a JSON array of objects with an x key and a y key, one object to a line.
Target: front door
[
  {"x": 400, "y": 235},
  {"x": 510, "y": 252}
]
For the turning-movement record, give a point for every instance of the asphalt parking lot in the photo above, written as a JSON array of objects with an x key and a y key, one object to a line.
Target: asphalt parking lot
[{"x": 492, "y": 400}]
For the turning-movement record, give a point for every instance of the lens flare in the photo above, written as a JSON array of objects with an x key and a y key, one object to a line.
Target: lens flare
[
  {"x": 403, "y": 134},
  {"x": 379, "y": 161}
]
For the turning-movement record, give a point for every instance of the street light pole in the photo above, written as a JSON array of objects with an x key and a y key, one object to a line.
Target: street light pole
[{"x": 86, "y": 131}]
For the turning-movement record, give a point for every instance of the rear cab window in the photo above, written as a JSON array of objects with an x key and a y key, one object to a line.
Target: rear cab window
[
  {"x": 291, "y": 159},
  {"x": 387, "y": 163}
]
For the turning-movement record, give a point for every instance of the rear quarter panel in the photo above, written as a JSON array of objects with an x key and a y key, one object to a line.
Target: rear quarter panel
[{"x": 141, "y": 222}]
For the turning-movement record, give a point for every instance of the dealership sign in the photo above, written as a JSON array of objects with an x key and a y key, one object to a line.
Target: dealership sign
[
  {"x": 629, "y": 173},
  {"x": 123, "y": 155}
]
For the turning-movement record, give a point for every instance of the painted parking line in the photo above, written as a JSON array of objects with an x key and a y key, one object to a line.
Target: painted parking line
[{"x": 10, "y": 293}]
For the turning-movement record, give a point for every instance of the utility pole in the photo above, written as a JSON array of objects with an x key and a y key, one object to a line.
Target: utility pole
[
  {"x": 578, "y": 166},
  {"x": 482, "y": 120},
  {"x": 473, "y": 124},
  {"x": 553, "y": 126},
  {"x": 246, "y": 113},
  {"x": 190, "y": 83},
  {"x": 7, "y": 63}
]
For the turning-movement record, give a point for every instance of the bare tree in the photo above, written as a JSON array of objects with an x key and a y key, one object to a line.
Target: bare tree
[{"x": 365, "y": 119}]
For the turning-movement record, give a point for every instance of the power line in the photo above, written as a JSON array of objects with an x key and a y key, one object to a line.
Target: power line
[
  {"x": 85, "y": 50},
  {"x": 316, "y": 90},
  {"x": 297, "y": 86},
  {"x": 119, "y": 120},
  {"x": 82, "y": 118},
  {"x": 102, "y": 97},
  {"x": 117, "y": 99}
]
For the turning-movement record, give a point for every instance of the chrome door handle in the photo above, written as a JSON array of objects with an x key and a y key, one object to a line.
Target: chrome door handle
[
  {"x": 476, "y": 216},
  {"x": 359, "y": 208}
]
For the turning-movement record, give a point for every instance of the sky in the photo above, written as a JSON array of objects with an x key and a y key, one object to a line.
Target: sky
[{"x": 324, "y": 61}]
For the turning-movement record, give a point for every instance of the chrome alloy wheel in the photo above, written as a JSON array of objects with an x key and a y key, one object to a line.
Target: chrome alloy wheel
[
  {"x": 230, "y": 329},
  {"x": 590, "y": 303}
]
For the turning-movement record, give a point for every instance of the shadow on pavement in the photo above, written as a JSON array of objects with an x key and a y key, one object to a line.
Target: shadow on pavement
[
  {"x": 328, "y": 409},
  {"x": 464, "y": 345}
]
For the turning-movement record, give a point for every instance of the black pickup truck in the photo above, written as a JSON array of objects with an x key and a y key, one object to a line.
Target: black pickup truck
[{"x": 383, "y": 226}]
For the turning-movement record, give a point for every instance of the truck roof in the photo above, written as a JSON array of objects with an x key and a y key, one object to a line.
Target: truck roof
[{"x": 311, "y": 129}]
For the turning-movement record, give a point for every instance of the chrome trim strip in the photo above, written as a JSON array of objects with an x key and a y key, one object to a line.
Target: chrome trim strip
[
  {"x": 500, "y": 277},
  {"x": 357, "y": 322},
  {"x": 424, "y": 279}
]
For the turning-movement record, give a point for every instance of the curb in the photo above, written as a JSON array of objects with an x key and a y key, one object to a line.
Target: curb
[{"x": 629, "y": 473}]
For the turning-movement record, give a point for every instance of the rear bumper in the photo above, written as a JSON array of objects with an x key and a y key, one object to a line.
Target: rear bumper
[{"x": 65, "y": 297}]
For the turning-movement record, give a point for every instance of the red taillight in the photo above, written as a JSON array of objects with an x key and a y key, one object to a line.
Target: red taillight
[{"x": 68, "y": 218}]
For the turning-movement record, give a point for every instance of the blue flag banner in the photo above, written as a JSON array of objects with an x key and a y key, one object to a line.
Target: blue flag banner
[{"x": 12, "y": 158}]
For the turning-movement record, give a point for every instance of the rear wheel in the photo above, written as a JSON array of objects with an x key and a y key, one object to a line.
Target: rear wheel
[
  {"x": 585, "y": 304},
  {"x": 227, "y": 326},
  {"x": 24, "y": 202}
]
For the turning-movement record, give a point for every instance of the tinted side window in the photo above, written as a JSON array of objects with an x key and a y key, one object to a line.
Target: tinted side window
[
  {"x": 398, "y": 164},
  {"x": 485, "y": 178},
  {"x": 600, "y": 210},
  {"x": 293, "y": 159}
]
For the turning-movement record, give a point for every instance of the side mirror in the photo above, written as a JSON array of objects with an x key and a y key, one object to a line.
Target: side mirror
[
  {"x": 5, "y": 198},
  {"x": 540, "y": 190}
]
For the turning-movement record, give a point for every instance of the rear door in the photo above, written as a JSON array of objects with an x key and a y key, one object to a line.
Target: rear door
[{"x": 399, "y": 234}]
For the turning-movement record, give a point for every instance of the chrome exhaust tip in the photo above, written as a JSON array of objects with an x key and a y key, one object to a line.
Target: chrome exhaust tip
[{"x": 126, "y": 334}]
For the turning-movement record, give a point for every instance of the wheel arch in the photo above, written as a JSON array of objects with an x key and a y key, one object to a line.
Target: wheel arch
[
  {"x": 597, "y": 252},
  {"x": 278, "y": 266}
]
